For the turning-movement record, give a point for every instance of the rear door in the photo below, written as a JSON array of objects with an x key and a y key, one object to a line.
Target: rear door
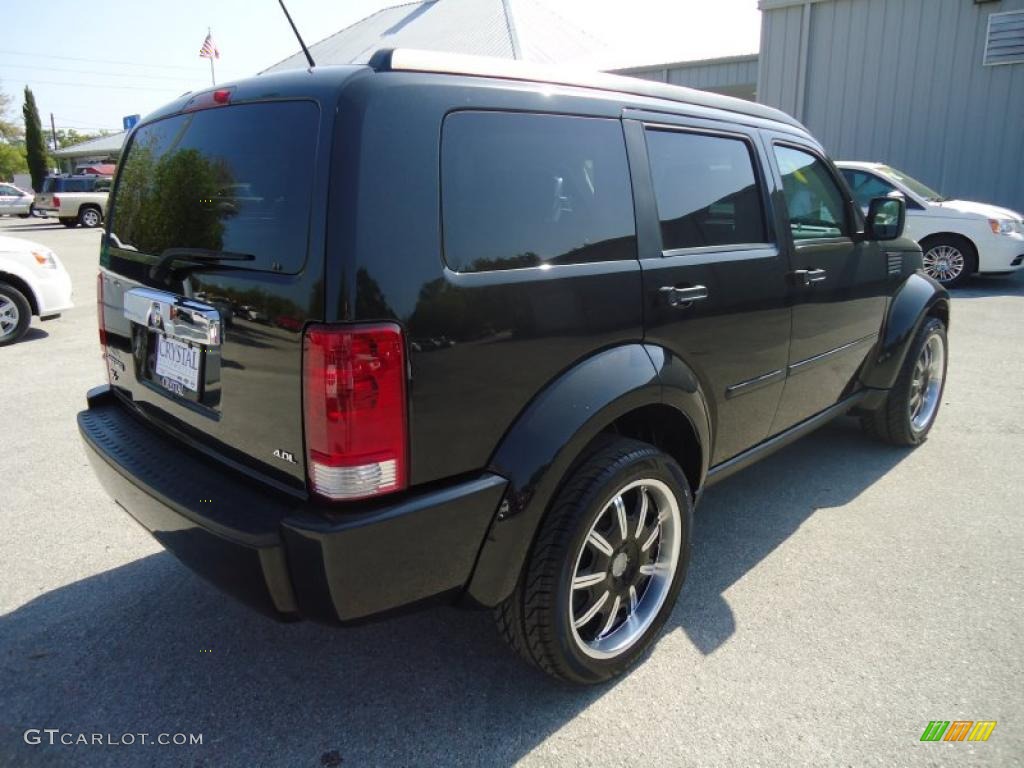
[
  {"x": 839, "y": 282},
  {"x": 715, "y": 292},
  {"x": 238, "y": 181}
]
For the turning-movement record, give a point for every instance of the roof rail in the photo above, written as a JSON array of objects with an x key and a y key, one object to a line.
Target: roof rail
[{"x": 414, "y": 60}]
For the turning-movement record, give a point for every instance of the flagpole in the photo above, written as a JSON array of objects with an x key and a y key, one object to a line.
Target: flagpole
[{"x": 209, "y": 35}]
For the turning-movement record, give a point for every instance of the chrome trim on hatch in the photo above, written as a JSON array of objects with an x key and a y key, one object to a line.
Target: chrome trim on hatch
[{"x": 179, "y": 318}]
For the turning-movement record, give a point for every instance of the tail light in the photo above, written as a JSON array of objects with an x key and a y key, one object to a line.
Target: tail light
[
  {"x": 56, "y": 201},
  {"x": 355, "y": 410}
]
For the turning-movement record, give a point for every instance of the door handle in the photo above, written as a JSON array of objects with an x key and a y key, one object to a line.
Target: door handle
[
  {"x": 683, "y": 297},
  {"x": 809, "y": 276}
]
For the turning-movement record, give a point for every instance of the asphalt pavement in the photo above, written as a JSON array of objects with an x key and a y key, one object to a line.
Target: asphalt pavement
[{"x": 842, "y": 594}]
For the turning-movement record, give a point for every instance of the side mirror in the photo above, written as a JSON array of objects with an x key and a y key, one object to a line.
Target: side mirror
[{"x": 886, "y": 218}]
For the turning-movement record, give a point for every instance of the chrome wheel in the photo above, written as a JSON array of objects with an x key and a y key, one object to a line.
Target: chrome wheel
[
  {"x": 90, "y": 217},
  {"x": 926, "y": 383},
  {"x": 9, "y": 317},
  {"x": 944, "y": 262},
  {"x": 625, "y": 568}
]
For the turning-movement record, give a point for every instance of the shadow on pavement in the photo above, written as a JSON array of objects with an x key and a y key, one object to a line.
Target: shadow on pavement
[
  {"x": 984, "y": 286},
  {"x": 33, "y": 334},
  {"x": 148, "y": 647}
]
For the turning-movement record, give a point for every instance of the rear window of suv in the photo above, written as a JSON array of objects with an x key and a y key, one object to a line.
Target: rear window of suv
[
  {"x": 235, "y": 178},
  {"x": 91, "y": 184},
  {"x": 526, "y": 190}
]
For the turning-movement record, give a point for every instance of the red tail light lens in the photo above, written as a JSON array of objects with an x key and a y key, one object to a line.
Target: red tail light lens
[
  {"x": 56, "y": 200},
  {"x": 355, "y": 410}
]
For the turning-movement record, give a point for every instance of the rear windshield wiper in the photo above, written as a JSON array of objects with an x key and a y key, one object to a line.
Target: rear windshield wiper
[{"x": 198, "y": 257}]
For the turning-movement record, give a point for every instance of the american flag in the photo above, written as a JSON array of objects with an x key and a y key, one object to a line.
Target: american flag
[{"x": 209, "y": 49}]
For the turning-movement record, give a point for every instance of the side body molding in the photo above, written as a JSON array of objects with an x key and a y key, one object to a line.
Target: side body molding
[
  {"x": 549, "y": 435},
  {"x": 918, "y": 295}
]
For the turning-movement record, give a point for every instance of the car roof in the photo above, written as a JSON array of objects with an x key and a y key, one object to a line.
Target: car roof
[{"x": 865, "y": 164}]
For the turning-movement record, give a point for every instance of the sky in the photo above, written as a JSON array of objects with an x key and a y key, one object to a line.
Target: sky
[{"x": 130, "y": 56}]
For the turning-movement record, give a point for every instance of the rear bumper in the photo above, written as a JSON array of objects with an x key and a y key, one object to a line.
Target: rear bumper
[{"x": 287, "y": 557}]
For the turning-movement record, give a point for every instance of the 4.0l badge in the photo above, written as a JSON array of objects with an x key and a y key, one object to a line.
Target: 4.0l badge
[{"x": 284, "y": 455}]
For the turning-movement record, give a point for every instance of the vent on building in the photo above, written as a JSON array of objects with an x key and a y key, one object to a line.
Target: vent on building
[{"x": 1005, "y": 41}]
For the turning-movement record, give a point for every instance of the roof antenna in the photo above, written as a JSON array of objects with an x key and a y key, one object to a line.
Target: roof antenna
[{"x": 305, "y": 50}]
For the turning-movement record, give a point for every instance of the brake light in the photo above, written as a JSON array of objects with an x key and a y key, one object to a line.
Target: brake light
[
  {"x": 355, "y": 410},
  {"x": 56, "y": 200},
  {"x": 101, "y": 322},
  {"x": 208, "y": 99}
]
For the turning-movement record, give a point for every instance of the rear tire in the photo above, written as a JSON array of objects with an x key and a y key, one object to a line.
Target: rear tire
[
  {"x": 949, "y": 259},
  {"x": 606, "y": 567},
  {"x": 90, "y": 217},
  {"x": 909, "y": 411},
  {"x": 68, "y": 222},
  {"x": 15, "y": 314}
]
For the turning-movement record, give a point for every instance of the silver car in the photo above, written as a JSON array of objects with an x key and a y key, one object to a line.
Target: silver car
[{"x": 15, "y": 201}]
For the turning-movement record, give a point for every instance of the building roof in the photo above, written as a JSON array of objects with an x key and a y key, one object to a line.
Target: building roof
[
  {"x": 512, "y": 29},
  {"x": 104, "y": 145}
]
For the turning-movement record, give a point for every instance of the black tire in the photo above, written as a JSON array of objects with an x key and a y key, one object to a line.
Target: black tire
[
  {"x": 891, "y": 422},
  {"x": 932, "y": 246},
  {"x": 20, "y": 307},
  {"x": 90, "y": 216},
  {"x": 68, "y": 222},
  {"x": 536, "y": 620}
]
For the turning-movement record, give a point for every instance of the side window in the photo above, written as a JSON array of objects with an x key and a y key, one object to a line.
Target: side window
[
  {"x": 866, "y": 186},
  {"x": 524, "y": 190},
  {"x": 706, "y": 190},
  {"x": 7, "y": 191},
  {"x": 814, "y": 202}
]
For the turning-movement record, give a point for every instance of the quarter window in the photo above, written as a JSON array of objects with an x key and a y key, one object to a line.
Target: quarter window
[
  {"x": 706, "y": 190},
  {"x": 813, "y": 201},
  {"x": 526, "y": 190}
]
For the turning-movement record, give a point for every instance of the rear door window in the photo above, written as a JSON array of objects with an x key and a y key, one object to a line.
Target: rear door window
[
  {"x": 527, "y": 190},
  {"x": 706, "y": 190},
  {"x": 866, "y": 186},
  {"x": 235, "y": 178}
]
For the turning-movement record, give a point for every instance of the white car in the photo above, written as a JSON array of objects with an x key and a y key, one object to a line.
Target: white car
[
  {"x": 958, "y": 237},
  {"x": 32, "y": 282},
  {"x": 15, "y": 201}
]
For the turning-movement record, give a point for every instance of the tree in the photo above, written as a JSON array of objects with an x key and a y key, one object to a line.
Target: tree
[
  {"x": 9, "y": 130},
  {"x": 12, "y": 160},
  {"x": 35, "y": 148}
]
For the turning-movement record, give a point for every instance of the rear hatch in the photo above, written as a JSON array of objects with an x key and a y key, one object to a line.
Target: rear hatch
[{"x": 209, "y": 271}]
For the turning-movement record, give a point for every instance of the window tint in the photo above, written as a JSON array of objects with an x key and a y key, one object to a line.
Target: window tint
[
  {"x": 234, "y": 178},
  {"x": 523, "y": 190},
  {"x": 866, "y": 186},
  {"x": 706, "y": 190},
  {"x": 813, "y": 199},
  {"x": 7, "y": 191}
]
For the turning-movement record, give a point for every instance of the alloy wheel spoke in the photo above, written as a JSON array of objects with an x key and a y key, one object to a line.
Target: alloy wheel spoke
[
  {"x": 612, "y": 615},
  {"x": 649, "y": 569},
  {"x": 588, "y": 580},
  {"x": 643, "y": 512},
  {"x": 620, "y": 514},
  {"x": 600, "y": 543},
  {"x": 592, "y": 610},
  {"x": 650, "y": 539},
  {"x": 633, "y": 599}
]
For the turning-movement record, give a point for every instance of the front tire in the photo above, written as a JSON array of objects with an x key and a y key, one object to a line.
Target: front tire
[
  {"x": 949, "y": 259},
  {"x": 909, "y": 411},
  {"x": 15, "y": 314},
  {"x": 606, "y": 567}
]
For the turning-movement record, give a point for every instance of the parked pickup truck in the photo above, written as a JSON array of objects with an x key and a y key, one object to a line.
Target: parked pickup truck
[{"x": 75, "y": 200}]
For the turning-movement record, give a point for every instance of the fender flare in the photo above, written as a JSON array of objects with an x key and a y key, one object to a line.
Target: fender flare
[
  {"x": 916, "y": 298},
  {"x": 550, "y": 433}
]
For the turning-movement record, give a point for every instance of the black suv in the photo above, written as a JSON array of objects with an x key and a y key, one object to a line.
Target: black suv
[{"x": 511, "y": 325}]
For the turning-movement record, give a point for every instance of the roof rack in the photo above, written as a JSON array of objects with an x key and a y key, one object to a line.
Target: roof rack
[{"x": 414, "y": 60}]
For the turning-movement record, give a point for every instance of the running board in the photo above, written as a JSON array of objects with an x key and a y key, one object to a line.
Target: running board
[{"x": 781, "y": 440}]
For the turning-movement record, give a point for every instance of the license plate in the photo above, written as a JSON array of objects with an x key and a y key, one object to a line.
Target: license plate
[{"x": 177, "y": 363}]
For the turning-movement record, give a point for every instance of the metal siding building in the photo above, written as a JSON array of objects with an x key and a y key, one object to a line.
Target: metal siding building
[
  {"x": 731, "y": 75},
  {"x": 903, "y": 82}
]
